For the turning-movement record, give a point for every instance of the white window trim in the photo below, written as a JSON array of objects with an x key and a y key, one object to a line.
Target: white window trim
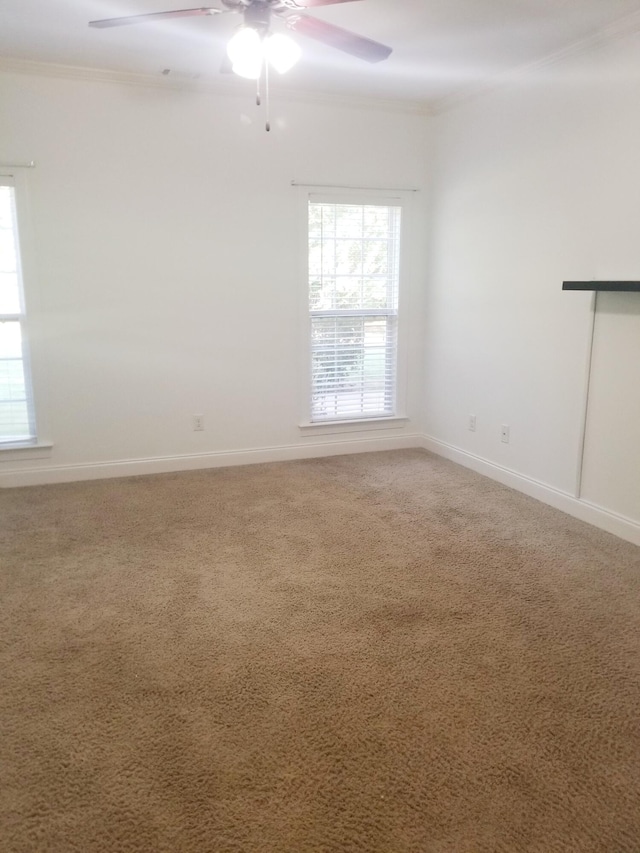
[
  {"x": 24, "y": 452},
  {"x": 38, "y": 448},
  {"x": 397, "y": 198},
  {"x": 359, "y": 425}
]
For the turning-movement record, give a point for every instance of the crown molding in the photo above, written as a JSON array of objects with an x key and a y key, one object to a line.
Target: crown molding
[
  {"x": 618, "y": 29},
  {"x": 223, "y": 88}
]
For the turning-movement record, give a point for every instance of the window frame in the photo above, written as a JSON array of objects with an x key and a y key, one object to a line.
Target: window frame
[
  {"x": 337, "y": 195},
  {"x": 33, "y": 447}
]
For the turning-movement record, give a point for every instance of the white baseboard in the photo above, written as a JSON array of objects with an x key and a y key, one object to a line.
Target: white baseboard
[
  {"x": 599, "y": 517},
  {"x": 619, "y": 525},
  {"x": 189, "y": 462}
]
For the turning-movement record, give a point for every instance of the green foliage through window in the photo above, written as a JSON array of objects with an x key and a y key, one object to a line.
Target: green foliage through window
[{"x": 353, "y": 302}]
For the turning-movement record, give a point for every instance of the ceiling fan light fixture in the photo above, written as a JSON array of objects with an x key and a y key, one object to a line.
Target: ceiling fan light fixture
[
  {"x": 246, "y": 53},
  {"x": 249, "y": 69},
  {"x": 282, "y": 52},
  {"x": 248, "y": 49}
]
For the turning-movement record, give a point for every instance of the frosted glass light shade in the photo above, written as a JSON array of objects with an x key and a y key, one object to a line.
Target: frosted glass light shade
[
  {"x": 282, "y": 52},
  {"x": 245, "y": 52}
]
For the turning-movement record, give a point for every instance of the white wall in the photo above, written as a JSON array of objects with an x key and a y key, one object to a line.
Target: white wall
[
  {"x": 536, "y": 183},
  {"x": 612, "y": 450},
  {"x": 168, "y": 248},
  {"x": 169, "y": 274}
]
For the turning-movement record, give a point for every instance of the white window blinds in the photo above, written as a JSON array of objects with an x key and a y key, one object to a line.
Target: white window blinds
[
  {"x": 16, "y": 402},
  {"x": 354, "y": 252}
]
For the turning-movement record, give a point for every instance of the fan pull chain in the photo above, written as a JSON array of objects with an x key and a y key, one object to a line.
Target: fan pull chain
[
  {"x": 264, "y": 71},
  {"x": 266, "y": 92}
]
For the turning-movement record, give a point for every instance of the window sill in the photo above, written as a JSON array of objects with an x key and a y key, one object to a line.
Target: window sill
[
  {"x": 359, "y": 425},
  {"x": 23, "y": 452}
]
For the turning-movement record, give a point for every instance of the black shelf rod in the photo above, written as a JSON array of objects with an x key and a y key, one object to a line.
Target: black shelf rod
[{"x": 622, "y": 286}]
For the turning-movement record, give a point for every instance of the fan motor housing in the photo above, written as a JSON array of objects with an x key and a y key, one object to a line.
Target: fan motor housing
[{"x": 258, "y": 15}]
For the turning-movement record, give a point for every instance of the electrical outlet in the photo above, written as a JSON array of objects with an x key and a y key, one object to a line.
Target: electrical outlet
[
  {"x": 504, "y": 433},
  {"x": 198, "y": 423},
  {"x": 472, "y": 423}
]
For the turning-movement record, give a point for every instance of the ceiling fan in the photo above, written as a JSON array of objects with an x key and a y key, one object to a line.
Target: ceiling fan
[
  {"x": 253, "y": 48},
  {"x": 257, "y": 16}
]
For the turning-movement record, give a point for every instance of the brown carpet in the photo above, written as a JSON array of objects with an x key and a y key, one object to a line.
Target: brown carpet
[{"x": 382, "y": 653}]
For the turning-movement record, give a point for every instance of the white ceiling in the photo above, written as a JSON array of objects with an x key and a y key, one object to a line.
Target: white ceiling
[{"x": 441, "y": 48}]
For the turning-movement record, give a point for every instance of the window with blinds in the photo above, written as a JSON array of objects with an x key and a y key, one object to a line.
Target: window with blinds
[
  {"x": 354, "y": 252},
  {"x": 17, "y": 422}
]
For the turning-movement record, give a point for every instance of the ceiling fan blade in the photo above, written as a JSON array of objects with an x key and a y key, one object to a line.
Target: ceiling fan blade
[
  {"x": 307, "y": 4},
  {"x": 155, "y": 16},
  {"x": 345, "y": 40}
]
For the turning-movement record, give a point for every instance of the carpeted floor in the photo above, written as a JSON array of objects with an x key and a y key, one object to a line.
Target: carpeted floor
[{"x": 382, "y": 653}]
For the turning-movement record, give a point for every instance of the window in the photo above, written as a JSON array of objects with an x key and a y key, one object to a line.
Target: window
[
  {"x": 353, "y": 266},
  {"x": 17, "y": 422}
]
